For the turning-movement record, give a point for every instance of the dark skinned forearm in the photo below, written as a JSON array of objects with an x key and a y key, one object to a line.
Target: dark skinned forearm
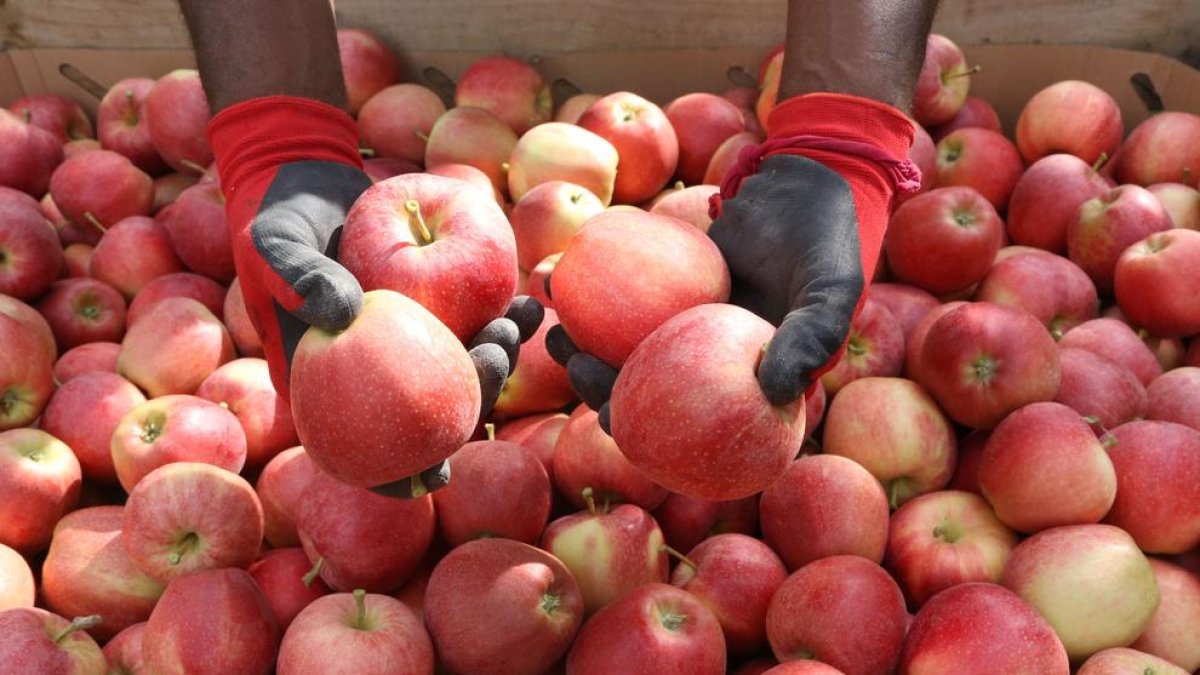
[
  {"x": 251, "y": 48},
  {"x": 868, "y": 48}
]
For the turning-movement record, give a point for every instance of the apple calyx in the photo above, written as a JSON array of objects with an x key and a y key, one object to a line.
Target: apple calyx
[
  {"x": 983, "y": 368},
  {"x": 672, "y": 620},
  {"x": 680, "y": 557},
  {"x": 421, "y": 230},
  {"x": 856, "y": 347},
  {"x": 946, "y": 77},
  {"x": 186, "y": 545},
  {"x": 91, "y": 312},
  {"x": 360, "y": 604},
  {"x": 152, "y": 429},
  {"x": 550, "y": 602},
  {"x": 311, "y": 575},
  {"x": 8, "y": 401},
  {"x": 94, "y": 222},
  {"x": 964, "y": 218},
  {"x": 77, "y": 624}
]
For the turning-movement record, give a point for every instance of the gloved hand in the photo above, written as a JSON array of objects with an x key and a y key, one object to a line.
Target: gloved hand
[{"x": 290, "y": 170}]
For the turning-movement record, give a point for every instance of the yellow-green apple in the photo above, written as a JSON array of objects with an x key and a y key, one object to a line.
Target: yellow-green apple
[
  {"x": 500, "y": 606},
  {"x": 586, "y": 457},
  {"x": 982, "y": 159},
  {"x": 475, "y": 137},
  {"x": 954, "y": 225},
  {"x": 177, "y": 113},
  {"x": 395, "y": 122},
  {"x": 943, "y": 83},
  {"x": 644, "y": 139},
  {"x": 122, "y": 126},
  {"x": 355, "y": 632},
  {"x": 1073, "y": 117},
  {"x": 970, "y": 454},
  {"x": 31, "y": 154},
  {"x": 282, "y": 576},
  {"x": 199, "y": 231},
  {"x": 243, "y": 387},
  {"x": 945, "y": 636},
  {"x": 88, "y": 572},
  {"x": 1106, "y": 393},
  {"x": 1050, "y": 287},
  {"x": 1162, "y": 148},
  {"x": 975, "y": 112},
  {"x": 77, "y": 258},
  {"x": 238, "y": 634},
  {"x": 30, "y": 253},
  {"x": 686, "y": 521},
  {"x": 655, "y": 628},
  {"x": 982, "y": 361},
  {"x": 1181, "y": 202},
  {"x": 561, "y": 151},
  {"x": 202, "y": 289},
  {"x": 1047, "y": 198},
  {"x": 451, "y": 250},
  {"x": 1171, "y": 633},
  {"x": 726, "y": 156},
  {"x": 132, "y": 253},
  {"x": 1113, "y": 339},
  {"x": 174, "y": 347},
  {"x": 535, "y": 285},
  {"x": 351, "y": 534},
  {"x": 546, "y": 217},
  {"x": 88, "y": 358},
  {"x": 186, "y": 517},
  {"x": 536, "y": 433},
  {"x": 843, "y": 610},
  {"x": 39, "y": 482},
  {"x": 124, "y": 652},
  {"x": 382, "y": 168},
  {"x": 1158, "y": 489},
  {"x": 538, "y": 383},
  {"x": 1090, "y": 582},
  {"x": 83, "y": 310},
  {"x": 368, "y": 66},
  {"x": 944, "y": 539},
  {"x": 175, "y": 428},
  {"x": 608, "y": 551},
  {"x": 401, "y": 421},
  {"x": 168, "y": 187},
  {"x": 734, "y": 576},
  {"x": 84, "y": 412},
  {"x": 1157, "y": 281},
  {"x": 59, "y": 115},
  {"x": 101, "y": 188},
  {"x": 1174, "y": 396},
  {"x": 1120, "y": 660},
  {"x": 510, "y": 89},
  {"x": 769, "y": 76},
  {"x": 702, "y": 122},
  {"x": 498, "y": 489},
  {"x": 874, "y": 348},
  {"x": 17, "y": 587},
  {"x": 36, "y": 641},
  {"x": 237, "y": 320},
  {"x": 732, "y": 445},
  {"x": 1107, "y": 225},
  {"x": 572, "y": 108},
  {"x": 280, "y": 486},
  {"x": 907, "y": 304},
  {"x": 689, "y": 205},
  {"x": 895, "y": 429},
  {"x": 824, "y": 505}
]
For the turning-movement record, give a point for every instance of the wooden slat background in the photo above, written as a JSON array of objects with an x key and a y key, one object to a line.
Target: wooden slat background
[{"x": 528, "y": 28}]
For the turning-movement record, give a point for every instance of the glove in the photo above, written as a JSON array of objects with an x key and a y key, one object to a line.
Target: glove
[{"x": 290, "y": 170}]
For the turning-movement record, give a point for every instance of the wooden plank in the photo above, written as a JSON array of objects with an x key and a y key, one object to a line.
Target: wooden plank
[{"x": 528, "y": 28}]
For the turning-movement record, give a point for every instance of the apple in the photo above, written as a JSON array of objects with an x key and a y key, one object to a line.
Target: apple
[
  {"x": 702, "y": 122},
  {"x": 1073, "y": 117},
  {"x": 1118, "y": 660},
  {"x": 179, "y": 284},
  {"x": 176, "y": 345},
  {"x": 1106, "y": 225},
  {"x": 538, "y": 383},
  {"x": 536, "y": 433},
  {"x": 39, "y": 483},
  {"x": 395, "y": 122},
  {"x": 83, "y": 310},
  {"x": 237, "y": 320},
  {"x": 726, "y": 155},
  {"x": 824, "y": 505},
  {"x": 1046, "y": 200},
  {"x": 282, "y": 576},
  {"x": 31, "y": 155},
  {"x": 975, "y": 112},
  {"x": 84, "y": 412},
  {"x": 970, "y": 455},
  {"x": 1162, "y": 148},
  {"x": 874, "y": 348},
  {"x": 566, "y": 152},
  {"x": 124, "y": 652},
  {"x": 237, "y": 635},
  {"x": 791, "y": 668},
  {"x": 243, "y": 387},
  {"x": 907, "y": 305},
  {"x": 956, "y": 226},
  {"x": 1169, "y": 634},
  {"x": 368, "y": 66},
  {"x": 1181, "y": 202},
  {"x": 655, "y": 628},
  {"x": 26, "y": 377},
  {"x": 923, "y": 153},
  {"x": 1051, "y": 288},
  {"x": 473, "y": 176},
  {"x": 132, "y": 253},
  {"x": 943, "y": 82},
  {"x": 689, "y": 205},
  {"x": 981, "y": 159},
  {"x": 30, "y": 254},
  {"x": 351, "y": 430},
  {"x": 538, "y": 281},
  {"x": 1157, "y": 281},
  {"x": 17, "y": 587},
  {"x": 510, "y": 89},
  {"x": 355, "y": 632},
  {"x": 571, "y": 109},
  {"x": 168, "y": 187},
  {"x": 87, "y": 358},
  {"x": 1090, "y": 582},
  {"x": 843, "y": 610},
  {"x": 1174, "y": 396},
  {"x": 36, "y": 641},
  {"x": 1097, "y": 388},
  {"x": 199, "y": 231},
  {"x": 122, "y": 125},
  {"x": 475, "y": 137},
  {"x": 945, "y": 636},
  {"x": 686, "y": 521},
  {"x": 1115, "y": 340},
  {"x": 19, "y": 319},
  {"x": 77, "y": 258},
  {"x": 177, "y": 113},
  {"x": 280, "y": 486},
  {"x": 644, "y": 139},
  {"x": 1158, "y": 493},
  {"x": 382, "y": 168},
  {"x": 501, "y": 606},
  {"x": 546, "y": 218},
  {"x": 55, "y": 113}
]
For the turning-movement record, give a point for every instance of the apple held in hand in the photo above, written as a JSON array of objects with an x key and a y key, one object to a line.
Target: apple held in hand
[{"x": 1072, "y": 117}]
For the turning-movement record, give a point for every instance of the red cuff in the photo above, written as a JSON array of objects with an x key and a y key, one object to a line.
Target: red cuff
[{"x": 845, "y": 117}]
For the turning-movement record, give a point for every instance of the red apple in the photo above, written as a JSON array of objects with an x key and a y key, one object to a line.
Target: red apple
[
  {"x": 907, "y": 305},
  {"x": 1106, "y": 225},
  {"x": 1162, "y": 148},
  {"x": 124, "y": 652},
  {"x": 970, "y": 455},
  {"x": 536, "y": 433},
  {"x": 1119, "y": 660},
  {"x": 702, "y": 122},
  {"x": 535, "y": 285},
  {"x": 83, "y": 310},
  {"x": 1170, "y": 633},
  {"x": 179, "y": 284},
  {"x": 174, "y": 347},
  {"x": 475, "y": 137},
  {"x": 686, "y": 521},
  {"x": 237, "y": 320},
  {"x": 571, "y": 109},
  {"x": 30, "y": 254},
  {"x": 26, "y": 376},
  {"x": 122, "y": 125},
  {"x": 36, "y": 641},
  {"x": 17, "y": 586},
  {"x": 30, "y": 156},
  {"x": 80, "y": 146},
  {"x": 1073, "y": 117},
  {"x": 88, "y": 358},
  {"x": 943, "y": 83},
  {"x": 368, "y": 65},
  {"x": 200, "y": 233},
  {"x": 473, "y": 176},
  {"x": 546, "y": 218},
  {"x": 177, "y": 113},
  {"x": 644, "y": 139},
  {"x": 55, "y": 113},
  {"x": 77, "y": 259},
  {"x": 1181, "y": 202},
  {"x": 726, "y": 156},
  {"x": 689, "y": 205},
  {"x": 279, "y": 487},
  {"x": 132, "y": 253},
  {"x": 510, "y": 89},
  {"x": 566, "y": 152},
  {"x": 923, "y": 153},
  {"x": 982, "y": 159},
  {"x": 975, "y": 112},
  {"x": 356, "y": 632},
  {"x": 1157, "y": 281},
  {"x": 396, "y": 121},
  {"x": 1046, "y": 200},
  {"x": 538, "y": 383},
  {"x": 39, "y": 482},
  {"x": 874, "y": 348},
  {"x": 84, "y": 412},
  {"x": 790, "y": 668},
  {"x": 1051, "y": 288},
  {"x": 954, "y": 226},
  {"x": 1158, "y": 492},
  {"x": 243, "y": 387},
  {"x": 382, "y": 168},
  {"x": 168, "y": 187},
  {"x": 1174, "y": 396},
  {"x": 1100, "y": 389},
  {"x": 1115, "y": 340},
  {"x": 281, "y": 575}
]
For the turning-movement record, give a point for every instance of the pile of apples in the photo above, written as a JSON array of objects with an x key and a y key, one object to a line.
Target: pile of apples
[{"x": 1001, "y": 475}]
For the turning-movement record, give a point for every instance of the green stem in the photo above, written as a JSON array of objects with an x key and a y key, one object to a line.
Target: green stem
[
  {"x": 78, "y": 624},
  {"x": 313, "y": 573}
]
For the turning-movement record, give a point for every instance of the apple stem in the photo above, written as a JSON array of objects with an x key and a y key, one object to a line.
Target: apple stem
[
  {"x": 504, "y": 168},
  {"x": 962, "y": 73},
  {"x": 893, "y": 494},
  {"x": 589, "y": 498},
  {"x": 680, "y": 557},
  {"x": 94, "y": 222},
  {"x": 187, "y": 545},
  {"x": 414, "y": 208},
  {"x": 27, "y": 115},
  {"x": 490, "y": 430},
  {"x": 360, "y": 602},
  {"x": 1187, "y": 175},
  {"x": 366, "y": 152},
  {"x": 1100, "y": 162},
  {"x": 679, "y": 185},
  {"x": 189, "y": 164},
  {"x": 417, "y": 486},
  {"x": 421, "y": 135},
  {"x": 311, "y": 576},
  {"x": 77, "y": 624}
]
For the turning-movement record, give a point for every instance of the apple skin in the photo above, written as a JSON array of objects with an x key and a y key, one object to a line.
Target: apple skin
[
  {"x": 500, "y": 606},
  {"x": 874, "y": 348},
  {"x": 547, "y": 217},
  {"x": 279, "y": 574},
  {"x": 923, "y": 153},
  {"x": 237, "y": 320},
  {"x": 982, "y": 159},
  {"x": 943, "y": 82},
  {"x": 475, "y": 137},
  {"x": 87, "y": 358},
  {"x": 1120, "y": 660},
  {"x": 497, "y": 489},
  {"x": 702, "y": 122},
  {"x": 168, "y": 187},
  {"x": 26, "y": 382},
  {"x": 955, "y": 225},
  {"x": 243, "y": 387},
  {"x": 510, "y": 89},
  {"x": 725, "y": 440},
  {"x": 644, "y": 139},
  {"x": 180, "y": 284},
  {"x": 84, "y": 412},
  {"x": 17, "y": 587},
  {"x": 655, "y": 628},
  {"x": 689, "y": 205},
  {"x": 473, "y": 176},
  {"x": 1090, "y": 582},
  {"x": 981, "y": 629},
  {"x": 1157, "y": 281},
  {"x": 538, "y": 383},
  {"x": 1047, "y": 198},
  {"x": 55, "y": 113},
  {"x": 1094, "y": 386},
  {"x": 536, "y": 433},
  {"x": 88, "y": 572},
  {"x": 77, "y": 258},
  {"x": 907, "y": 305},
  {"x": 174, "y": 348},
  {"x": 769, "y": 77},
  {"x": 368, "y": 66},
  {"x": 199, "y": 231},
  {"x": 1072, "y": 117},
  {"x": 238, "y": 633},
  {"x": 1181, "y": 202},
  {"x": 280, "y": 486},
  {"x": 30, "y": 645},
  {"x": 382, "y": 168},
  {"x": 465, "y": 273},
  {"x": 726, "y": 155},
  {"x": 1174, "y": 396},
  {"x": 1158, "y": 485},
  {"x": 793, "y": 668},
  {"x": 1107, "y": 225},
  {"x": 186, "y": 517},
  {"x": 40, "y": 482},
  {"x": 894, "y": 429},
  {"x": 975, "y": 112},
  {"x": 1050, "y": 287},
  {"x": 970, "y": 454},
  {"x": 842, "y": 610},
  {"x": 124, "y": 652},
  {"x": 355, "y": 531},
  {"x": 1162, "y": 148},
  {"x": 30, "y": 254},
  {"x": 686, "y": 521},
  {"x": 32, "y": 153},
  {"x": 1113, "y": 339},
  {"x": 536, "y": 283},
  {"x": 943, "y": 539},
  {"x": 177, "y": 114},
  {"x": 374, "y": 446},
  {"x": 824, "y": 505},
  {"x": 571, "y": 109},
  {"x": 396, "y": 121},
  {"x": 560, "y": 151},
  {"x": 83, "y": 310},
  {"x": 122, "y": 127},
  {"x": 1170, "y": 633},
  {"x": 981, "y": 361},
  {"x": 132, "y": 253}
]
